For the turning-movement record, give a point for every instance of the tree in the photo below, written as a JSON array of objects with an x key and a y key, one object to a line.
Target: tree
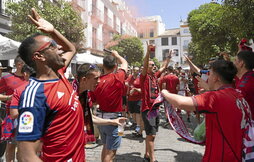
[
  {"x": 210, "y": 32},
  {"x": 127, "y": 46},
  {"x": 241, "y": 17},
  {"x": 59, "y": 13}
]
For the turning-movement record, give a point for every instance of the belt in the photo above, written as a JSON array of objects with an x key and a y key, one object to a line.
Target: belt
[{"x": 108, "y": 115}]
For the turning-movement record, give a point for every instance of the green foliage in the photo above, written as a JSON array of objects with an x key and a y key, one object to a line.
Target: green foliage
[
  {"x": 219, "y": 27},
  {"x": 60, "y": 14},
  {"x": 129, "y": 47},
  {"x": 211, "y": 34}
]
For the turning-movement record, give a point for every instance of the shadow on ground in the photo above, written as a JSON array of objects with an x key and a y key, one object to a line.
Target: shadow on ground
[
  {"x": 132, "y": 156},
  {"x": 184, "y": 156}
]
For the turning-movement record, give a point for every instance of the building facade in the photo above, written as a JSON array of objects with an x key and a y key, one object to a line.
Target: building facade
[
  {"x": 151, "y": 29},
  {"x": 103, "y": 19}
]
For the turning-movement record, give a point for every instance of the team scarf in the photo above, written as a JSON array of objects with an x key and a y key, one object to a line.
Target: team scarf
[
  {"x": 85, "y": 101},
  {"x": 174, "y": 120}
]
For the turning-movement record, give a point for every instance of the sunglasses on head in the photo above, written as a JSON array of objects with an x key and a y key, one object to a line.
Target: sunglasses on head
[
  {"x": 51, "y": 44},
  {"x": 91, "y": 67}
]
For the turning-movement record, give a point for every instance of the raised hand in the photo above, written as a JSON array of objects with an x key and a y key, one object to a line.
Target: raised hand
[{"x": 41, "y": 23}]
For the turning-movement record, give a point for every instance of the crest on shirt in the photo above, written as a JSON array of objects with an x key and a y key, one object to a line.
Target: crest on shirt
[
  {"x": 60, "y": 94},
  {"x": 26, "y": 122}
]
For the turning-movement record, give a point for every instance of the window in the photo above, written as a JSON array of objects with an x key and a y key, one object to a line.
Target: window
[
  {"x": 151, "y": 33},
  {"x": 174, "y": 40},
  {"x": 185, "y": 45},
  {"x": 186, "y": 31},
  {"x": 165, "y": 53},
  {"x": 151, "y": 42},
  {"x": 164, "y": 41},
  {"x": 141, "y": 35}
]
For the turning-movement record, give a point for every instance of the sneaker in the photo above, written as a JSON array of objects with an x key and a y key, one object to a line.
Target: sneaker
[
  {"x": 137, "y": 129},
  {"x": 146, "y": 159}
]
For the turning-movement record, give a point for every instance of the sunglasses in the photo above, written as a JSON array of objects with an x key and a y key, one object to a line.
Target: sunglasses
[
  {"x": 91, "y": 67},
  {"x": 152, "y": 64},
  {"x": 49, "y": 45}
]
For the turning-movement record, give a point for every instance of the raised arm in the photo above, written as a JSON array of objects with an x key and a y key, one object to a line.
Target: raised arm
[
  {"x": 146, "y": 59},
  {"x": 121, "y": 60},
  {"x": 29, "y": 154},
  {"x": 46, "y": 27},
  {"x": 182, "y": 102},
  {"x": 193, "y": 67},
  {"x": 166, "y": 62}
]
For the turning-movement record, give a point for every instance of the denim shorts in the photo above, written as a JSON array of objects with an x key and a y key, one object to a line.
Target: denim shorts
[{"x": 109, "y": 136}]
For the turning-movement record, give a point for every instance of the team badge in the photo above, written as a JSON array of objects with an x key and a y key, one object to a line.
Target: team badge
[{"x": 26, "y": 122}]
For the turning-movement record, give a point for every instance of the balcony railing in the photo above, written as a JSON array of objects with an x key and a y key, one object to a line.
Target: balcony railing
[
  {"x": 96, "y": 13},
  {"x": 108, "y": 21},
  {"x": 97, "y": 44}
]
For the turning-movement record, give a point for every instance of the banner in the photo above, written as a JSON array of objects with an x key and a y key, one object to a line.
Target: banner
[{"x": 174, "y": 120}]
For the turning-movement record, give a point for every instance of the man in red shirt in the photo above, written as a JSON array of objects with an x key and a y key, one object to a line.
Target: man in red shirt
[
  {"x": 134, "y": 100},
  {"x": 48, "y": 107},
  {"x": 171, "y": 82},
  {"x": 8, "y": 84},
  {"x": 244, "y": 63},
  {"x": 108, "y": 95},
  {"x": 225, "y": 110},
  {"x": 149, "y": 92}
]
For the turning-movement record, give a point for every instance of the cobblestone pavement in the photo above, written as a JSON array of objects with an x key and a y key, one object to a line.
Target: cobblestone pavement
[{"x": 169, "y": 147}]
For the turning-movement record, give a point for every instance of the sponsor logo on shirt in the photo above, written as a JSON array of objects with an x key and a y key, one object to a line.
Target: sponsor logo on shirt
[
  {"x": 70, "y": 160},
  {"x": 26, "y": 122}
]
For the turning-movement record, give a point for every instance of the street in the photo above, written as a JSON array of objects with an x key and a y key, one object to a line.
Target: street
[{"x": 169, "y": 147}]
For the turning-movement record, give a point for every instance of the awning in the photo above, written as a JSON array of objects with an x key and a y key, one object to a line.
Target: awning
[
  {"x": 81, "y": 58},
  {"x": 8, "y": 48}
]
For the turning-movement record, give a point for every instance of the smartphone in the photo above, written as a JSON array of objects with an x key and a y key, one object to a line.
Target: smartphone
[{"x": 107, "y": 51}]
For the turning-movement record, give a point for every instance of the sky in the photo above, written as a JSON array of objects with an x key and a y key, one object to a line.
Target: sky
[{"x": 171, "y": 11}]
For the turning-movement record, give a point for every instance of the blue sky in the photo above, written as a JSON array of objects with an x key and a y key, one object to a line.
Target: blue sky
[{"x": 171, "y": 11}]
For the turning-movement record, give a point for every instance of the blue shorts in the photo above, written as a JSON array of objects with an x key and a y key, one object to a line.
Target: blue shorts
[{"x": 109, "y": 136}]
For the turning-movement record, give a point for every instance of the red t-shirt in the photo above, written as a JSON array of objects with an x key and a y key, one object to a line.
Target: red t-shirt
[
  {"x": 223, "y": 115},
  {"x": 9, "y": 83},
  {"x": 108, "y": 94},
  {"x": 246, "y": 85},
  {"x": 171, "y": 82},
  {"x": 50, "y": 110},
  {"x": 134, "y": 83},
  {"x": 149, "y": 89}
]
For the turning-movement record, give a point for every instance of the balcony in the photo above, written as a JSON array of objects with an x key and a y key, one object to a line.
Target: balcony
[
  {"x": 97, "y": 44},
  {"x": 108, "y": 23},
  {"x": 96, "y": 14}
]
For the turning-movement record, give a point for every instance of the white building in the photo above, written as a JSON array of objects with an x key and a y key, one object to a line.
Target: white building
[
  {"x": 152, "y": 29},
  {"x": 5, "y": 22},
  {"x": 104, "y": 18}
]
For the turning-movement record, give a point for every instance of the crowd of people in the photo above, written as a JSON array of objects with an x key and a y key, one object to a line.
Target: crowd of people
[{"x": 53, "y": 118}]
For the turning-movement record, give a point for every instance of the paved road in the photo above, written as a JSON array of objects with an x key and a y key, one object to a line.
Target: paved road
[{"x": 169, "y": 147}]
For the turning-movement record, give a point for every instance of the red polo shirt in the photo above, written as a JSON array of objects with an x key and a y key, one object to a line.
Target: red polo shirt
[
  {"x": 8, "y": 84},
  {"x": 134, "y": 83},
  {"x": 171, "y": 81},
  {"x": 149, "y": 89},
  {"x": 224, "y": 110},
  {"x": 246, "y": 85},
  {"x": 108, "y": 94}
]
